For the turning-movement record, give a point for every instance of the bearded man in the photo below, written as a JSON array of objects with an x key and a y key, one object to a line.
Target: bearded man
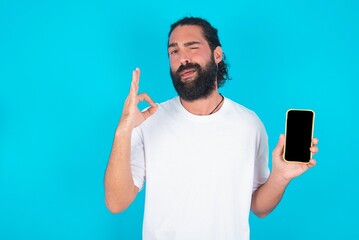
[{"x": 204, "y": 157}]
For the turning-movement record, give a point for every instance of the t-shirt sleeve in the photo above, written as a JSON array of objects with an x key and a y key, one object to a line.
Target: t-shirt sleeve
[
  {"x": 137, "y": 158},
  {"x": 261, "y": 169}
]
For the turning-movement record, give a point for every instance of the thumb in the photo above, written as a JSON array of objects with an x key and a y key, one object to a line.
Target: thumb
[{"x": 278, "y": 150}]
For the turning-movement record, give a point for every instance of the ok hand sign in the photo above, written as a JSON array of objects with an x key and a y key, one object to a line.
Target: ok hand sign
[{"x": 131, "y": 114}]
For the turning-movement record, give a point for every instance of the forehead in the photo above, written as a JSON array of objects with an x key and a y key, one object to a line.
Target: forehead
[{"x": 186, "y": 33}]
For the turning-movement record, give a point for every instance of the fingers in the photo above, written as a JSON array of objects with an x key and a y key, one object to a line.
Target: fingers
[
  {"x": 144, "y": 97},
  {"x": 151, "y": 110},
  {"x": 134, "y": 98},
  {"x": 134, "y": 90},
  {"x": 314, "y": 148},
  {"x": 153, "y": 106},
  {"x": 311, "y": 163},
  {"x": 135, "y": 82}
]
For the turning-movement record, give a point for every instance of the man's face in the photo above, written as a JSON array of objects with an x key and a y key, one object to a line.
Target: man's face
[{"x": 193, "y": 66}]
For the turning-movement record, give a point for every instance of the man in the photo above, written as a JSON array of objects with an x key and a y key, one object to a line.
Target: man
[{"x": 204, "y": 157}]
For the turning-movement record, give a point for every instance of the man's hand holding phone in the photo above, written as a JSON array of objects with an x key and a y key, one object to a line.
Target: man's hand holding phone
[
  {"x": 289, "y": 170},
  {"x": 293, "y": 153}
]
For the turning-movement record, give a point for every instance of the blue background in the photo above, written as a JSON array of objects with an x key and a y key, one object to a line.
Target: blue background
[{"x": 65, "y": 70}]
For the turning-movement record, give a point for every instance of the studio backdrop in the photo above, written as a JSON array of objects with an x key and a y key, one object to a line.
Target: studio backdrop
[{"x": 65, "y": 71}]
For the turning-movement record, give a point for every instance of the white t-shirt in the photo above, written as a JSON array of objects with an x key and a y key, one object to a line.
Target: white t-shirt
[{"x": 200, "y": 171}]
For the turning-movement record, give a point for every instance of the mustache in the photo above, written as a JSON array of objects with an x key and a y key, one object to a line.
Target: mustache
[{"x": 188, "y": 66}]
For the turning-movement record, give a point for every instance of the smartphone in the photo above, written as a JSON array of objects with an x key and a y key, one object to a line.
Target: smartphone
[{"x": 299, "y": 129}]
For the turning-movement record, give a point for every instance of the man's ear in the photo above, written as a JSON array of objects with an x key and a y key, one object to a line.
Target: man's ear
[{"x": 218, "y": 54}]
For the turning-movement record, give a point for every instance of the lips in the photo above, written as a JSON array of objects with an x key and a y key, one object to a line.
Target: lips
[{"x": 187, "y": 72}]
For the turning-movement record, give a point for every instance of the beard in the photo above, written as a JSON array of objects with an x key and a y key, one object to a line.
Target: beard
[{"x": 201, "y": 86}]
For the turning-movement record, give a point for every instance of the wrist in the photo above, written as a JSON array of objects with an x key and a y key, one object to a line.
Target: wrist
[
  {"x": 123, "y": 130},
  {"x": 279, "y": 179}
]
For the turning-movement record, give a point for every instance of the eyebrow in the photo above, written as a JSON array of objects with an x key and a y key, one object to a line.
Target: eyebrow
[{"x": 187, "y": 44}]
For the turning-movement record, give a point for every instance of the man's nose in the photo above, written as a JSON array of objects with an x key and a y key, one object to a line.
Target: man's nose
[{"x": 184, "y": 58}]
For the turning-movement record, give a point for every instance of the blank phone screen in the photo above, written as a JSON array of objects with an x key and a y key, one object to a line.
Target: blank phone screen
[{"x": 299, "y": 128}]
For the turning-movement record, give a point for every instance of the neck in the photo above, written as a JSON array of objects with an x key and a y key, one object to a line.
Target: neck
[{"x": 204, "y": 106}]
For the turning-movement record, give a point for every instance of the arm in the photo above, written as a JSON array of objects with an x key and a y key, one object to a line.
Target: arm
[
  {"x": 267, "y": 197},
  {"x": 120, "y": 190}
]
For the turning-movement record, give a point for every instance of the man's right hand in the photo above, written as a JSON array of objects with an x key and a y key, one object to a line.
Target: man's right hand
[
  {"x": 131, "y": 114},
  {"x": 120, "y": 190}
]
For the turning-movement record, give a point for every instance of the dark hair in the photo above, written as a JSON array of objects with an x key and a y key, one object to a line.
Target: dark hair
[{"x": 211, "y": 35}]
